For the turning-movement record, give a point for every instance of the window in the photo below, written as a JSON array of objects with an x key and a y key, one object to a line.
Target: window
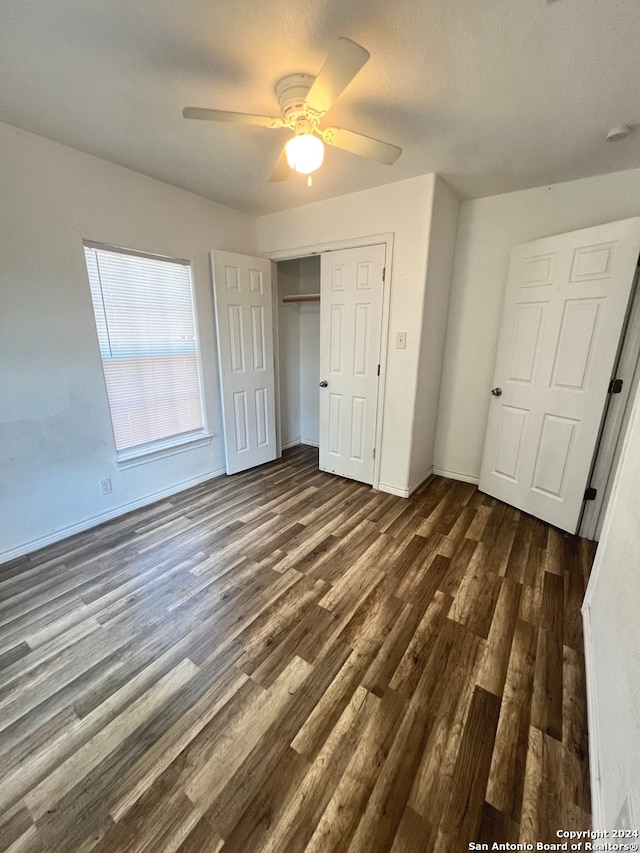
[{"x": 144, "y": 313}]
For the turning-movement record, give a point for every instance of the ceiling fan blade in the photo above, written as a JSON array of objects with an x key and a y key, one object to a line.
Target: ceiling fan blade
[
  {"x": 281, "y": 169},
  {"x": 365, "y": 146},
  {"x": 233, "y": 118},
  {"x": 342, "y": 64}
]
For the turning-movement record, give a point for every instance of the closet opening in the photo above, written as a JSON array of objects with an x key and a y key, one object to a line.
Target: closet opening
[
  {"x": 297, "y": 294},
  {"x": 331, "y": 316}
]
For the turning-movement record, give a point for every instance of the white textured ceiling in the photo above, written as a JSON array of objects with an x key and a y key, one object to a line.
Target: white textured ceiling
[{"x": 495, "y": 95}]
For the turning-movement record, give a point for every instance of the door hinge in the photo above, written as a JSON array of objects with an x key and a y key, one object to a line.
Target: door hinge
[
  {"x": 384, "y": 273},
  {"x": 615, "y": 386},
  {"x": 374, "y": 453},
  {"x": 590, "y": 494},
  {"x": 378, "y": 370}
]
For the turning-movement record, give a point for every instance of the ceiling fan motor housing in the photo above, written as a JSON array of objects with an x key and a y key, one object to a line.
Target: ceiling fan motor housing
[{"x": 291, "y": 92}]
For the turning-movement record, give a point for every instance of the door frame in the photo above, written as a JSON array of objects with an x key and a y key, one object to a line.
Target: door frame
[
  {"x": 331, "y": 246},
  {"x": 615, "y": 419}
]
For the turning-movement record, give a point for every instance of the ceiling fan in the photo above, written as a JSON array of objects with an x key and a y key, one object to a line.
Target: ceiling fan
[{"x": 304, "y": 100}]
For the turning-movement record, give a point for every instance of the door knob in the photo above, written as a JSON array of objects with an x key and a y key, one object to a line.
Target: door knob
[
  {"x": 324, "y": 383},
  {"x": 497, "y": 392}
]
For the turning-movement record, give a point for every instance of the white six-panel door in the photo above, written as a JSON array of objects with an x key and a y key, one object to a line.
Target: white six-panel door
[
  {"x": 350, "y": 328},
  {"x": 563, "y": 315},
  {"x": 242, "y": 294}
]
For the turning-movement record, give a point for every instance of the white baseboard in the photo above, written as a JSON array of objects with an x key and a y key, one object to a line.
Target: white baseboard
[
  {"x": 95, "y": 520},
  {"x": 297, "y": 441},
  {"x": 417, "y": 483},
  {"x": 455, "y": 475},
  {"x": 405, "y": 493},
  {"x": 393, "y": 490},
  {"x": 597, "y": 808}
]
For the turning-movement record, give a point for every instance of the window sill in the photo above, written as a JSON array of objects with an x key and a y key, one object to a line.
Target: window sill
[{"x": 140, "y": 456}]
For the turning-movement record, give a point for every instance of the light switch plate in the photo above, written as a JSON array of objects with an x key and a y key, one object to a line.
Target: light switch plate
[{"x": 401, "y": 340}]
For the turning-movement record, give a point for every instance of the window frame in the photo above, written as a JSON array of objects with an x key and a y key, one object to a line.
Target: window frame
[{"x": 138, "y": 454}]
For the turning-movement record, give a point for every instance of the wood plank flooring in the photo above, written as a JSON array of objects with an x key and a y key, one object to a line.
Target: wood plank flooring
[{"x": 284, "y": 661}]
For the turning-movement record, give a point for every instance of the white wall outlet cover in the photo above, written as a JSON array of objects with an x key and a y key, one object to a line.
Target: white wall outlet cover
[{"x": 401, "y": 340}]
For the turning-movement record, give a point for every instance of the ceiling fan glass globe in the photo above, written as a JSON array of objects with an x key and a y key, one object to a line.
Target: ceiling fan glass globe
[{"x": 305, "y": 153}]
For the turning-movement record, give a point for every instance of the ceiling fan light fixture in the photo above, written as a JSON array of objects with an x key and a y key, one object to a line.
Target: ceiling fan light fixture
[{"x": 305, "y": 153}]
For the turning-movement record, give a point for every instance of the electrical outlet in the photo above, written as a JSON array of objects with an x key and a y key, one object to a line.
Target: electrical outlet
[{"x": 105, "y": 487}]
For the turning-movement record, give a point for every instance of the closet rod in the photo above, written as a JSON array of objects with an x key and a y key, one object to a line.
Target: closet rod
[{"x": 302, "y": 297}]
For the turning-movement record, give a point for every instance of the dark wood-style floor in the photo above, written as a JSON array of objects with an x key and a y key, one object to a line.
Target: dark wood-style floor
[{"x": 285, "y": 661}]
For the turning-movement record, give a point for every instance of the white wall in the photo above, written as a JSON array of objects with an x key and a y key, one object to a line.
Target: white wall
[
  {"x": 487, "y": 230},
  {"x": 403, "y": 208},
  {"x": 56, "y": 436},
  {"x": 310, "y": 352},
  {"x": 299, "y": 352},
  {"x": 442, "y": 241},
  {"x": 611, "y": 610},
  {"x": 310, "y": 373},
  {"x": 289, "y": 352}
]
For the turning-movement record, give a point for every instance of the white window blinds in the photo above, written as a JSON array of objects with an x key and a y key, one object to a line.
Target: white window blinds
[{"x": 144, "y": 313}]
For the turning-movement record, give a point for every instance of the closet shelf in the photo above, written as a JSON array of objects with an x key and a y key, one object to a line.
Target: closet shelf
[{"x": 302, "y": 297}]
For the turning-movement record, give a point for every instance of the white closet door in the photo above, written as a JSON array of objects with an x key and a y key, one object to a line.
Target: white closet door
[
  {"x": 244, "y": 324},
  {"x": 563, "y": 315},
  {"x": 350, "y": 329}
]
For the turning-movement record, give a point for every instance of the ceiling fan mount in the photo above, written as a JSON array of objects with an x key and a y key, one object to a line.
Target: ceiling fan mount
[{"x": 304, "y": 100}]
